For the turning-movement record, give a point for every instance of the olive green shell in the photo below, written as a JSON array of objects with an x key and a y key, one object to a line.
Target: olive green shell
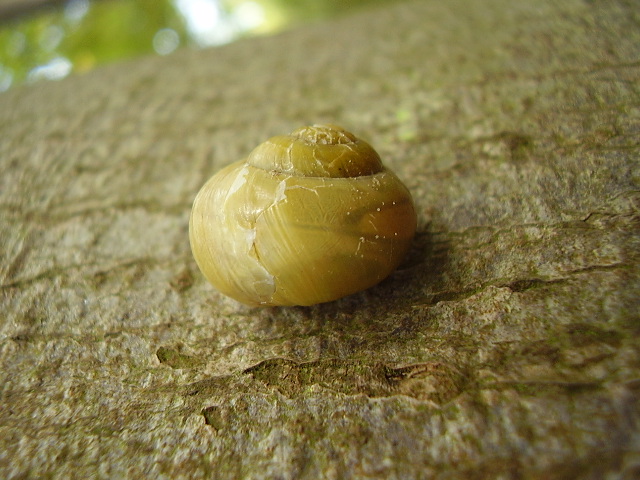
[{"x": 307, "y": 218}]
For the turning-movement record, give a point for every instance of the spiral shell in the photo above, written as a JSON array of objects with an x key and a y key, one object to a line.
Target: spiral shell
[{"x": 306, "y": 218}]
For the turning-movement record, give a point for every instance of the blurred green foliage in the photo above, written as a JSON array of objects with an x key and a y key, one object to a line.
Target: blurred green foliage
[{"x": 83, "y": 34}]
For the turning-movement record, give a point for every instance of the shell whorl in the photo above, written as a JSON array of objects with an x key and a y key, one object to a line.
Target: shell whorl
[{"x": 317, "y": 151}]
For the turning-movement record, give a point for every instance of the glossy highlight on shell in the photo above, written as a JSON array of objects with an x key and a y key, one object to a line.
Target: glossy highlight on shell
[{"x": 306, "y": 218}]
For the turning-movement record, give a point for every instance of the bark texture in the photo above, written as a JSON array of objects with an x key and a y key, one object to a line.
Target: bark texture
[{"x": 506, "y": 346}]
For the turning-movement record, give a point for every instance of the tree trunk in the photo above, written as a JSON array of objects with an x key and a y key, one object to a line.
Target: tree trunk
[{"x": 505, "y": 346}]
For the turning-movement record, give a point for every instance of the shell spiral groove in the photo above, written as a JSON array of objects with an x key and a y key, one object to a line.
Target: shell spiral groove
[{"x": 306, "y": 218}]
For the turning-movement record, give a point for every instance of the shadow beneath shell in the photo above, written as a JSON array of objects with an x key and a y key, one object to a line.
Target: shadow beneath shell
[{"x": 420, "y": 271}]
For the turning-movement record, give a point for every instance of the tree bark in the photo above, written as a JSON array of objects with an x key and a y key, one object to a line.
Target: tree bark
[{"x": 505, "y": 346}]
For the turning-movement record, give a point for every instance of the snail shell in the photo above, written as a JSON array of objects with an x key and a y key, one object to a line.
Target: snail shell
[{"x": 306, "y": 218}]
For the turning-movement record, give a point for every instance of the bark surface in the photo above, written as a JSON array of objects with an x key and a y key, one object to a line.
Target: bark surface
[{"x": 506, "y": 345}]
